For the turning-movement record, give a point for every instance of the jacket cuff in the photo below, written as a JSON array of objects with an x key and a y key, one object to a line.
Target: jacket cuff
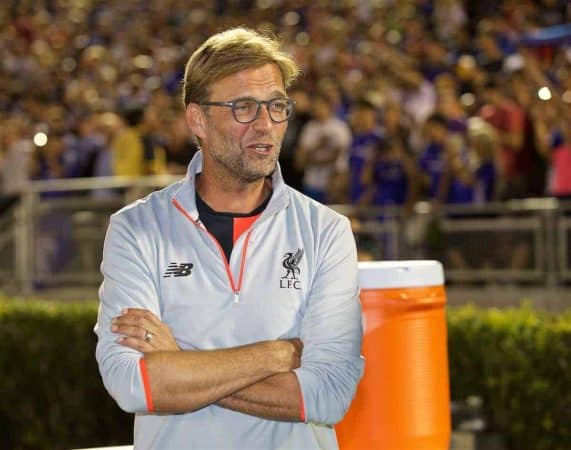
[
  {"x": 301, "y": 401},
  {"x": 146, "y": 385}
]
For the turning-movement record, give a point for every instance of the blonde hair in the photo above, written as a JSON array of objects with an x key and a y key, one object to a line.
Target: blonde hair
[
  {"x": 229, "y": 52},
  {"x": 483, "y": 136}
]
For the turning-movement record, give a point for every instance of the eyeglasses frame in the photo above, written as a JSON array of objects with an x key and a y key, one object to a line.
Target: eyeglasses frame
[{"x": 231, "y": 104}]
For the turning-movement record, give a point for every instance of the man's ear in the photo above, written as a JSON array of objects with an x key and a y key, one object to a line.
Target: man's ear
[{"x": 196, "y": 120}]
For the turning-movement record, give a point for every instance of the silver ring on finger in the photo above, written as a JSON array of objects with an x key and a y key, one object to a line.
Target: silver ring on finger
[{"x": 148, "y": 336}]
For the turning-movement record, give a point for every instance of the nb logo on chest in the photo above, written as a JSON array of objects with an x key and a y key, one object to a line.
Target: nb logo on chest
[
  {"x": 290, "y": 263},
  {"x": 178, "y": 270}
]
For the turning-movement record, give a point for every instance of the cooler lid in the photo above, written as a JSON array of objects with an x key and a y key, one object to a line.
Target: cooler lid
[{"x": 400, "y": 274}]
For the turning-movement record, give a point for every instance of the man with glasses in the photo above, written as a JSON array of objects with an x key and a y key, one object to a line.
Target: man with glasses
[{"x": 229, "y": 314}]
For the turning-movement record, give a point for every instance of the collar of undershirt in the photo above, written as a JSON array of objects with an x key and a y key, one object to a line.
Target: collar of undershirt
[{"x": 201, "y": 205}]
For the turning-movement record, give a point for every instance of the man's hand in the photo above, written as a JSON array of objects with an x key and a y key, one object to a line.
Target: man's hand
[
  {"x": 293, "y": 353},
  {"x": 143, "y": 331}
]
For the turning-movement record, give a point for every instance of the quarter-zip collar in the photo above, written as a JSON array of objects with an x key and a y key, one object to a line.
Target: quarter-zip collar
[{"x": 185, "y": 196}]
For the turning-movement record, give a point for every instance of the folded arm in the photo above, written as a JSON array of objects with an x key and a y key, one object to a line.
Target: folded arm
[
  {"x": 255, "y": 379},
  {"x": 189, "y": 380},
  {"x": 276, "y": 398}
]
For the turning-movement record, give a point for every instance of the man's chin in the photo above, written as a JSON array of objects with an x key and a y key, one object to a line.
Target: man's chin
[{"x": 253, "y": 176}]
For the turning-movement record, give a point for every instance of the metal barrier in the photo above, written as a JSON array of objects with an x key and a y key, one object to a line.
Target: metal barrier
[
  {"x": 524, "y": 241},
  {"x": 54, "y": 236},
  {"x": 7, "y": 240},
  {"x": 564, "y": 247}
]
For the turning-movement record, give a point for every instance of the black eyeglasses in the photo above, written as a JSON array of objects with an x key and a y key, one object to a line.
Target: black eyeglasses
[{"x": 246, "y": 110}]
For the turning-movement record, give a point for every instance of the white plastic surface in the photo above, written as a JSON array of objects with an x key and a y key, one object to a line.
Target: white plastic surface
[
  {"x": 400, "y": 274},
  {"x": 122, "y": 447}
]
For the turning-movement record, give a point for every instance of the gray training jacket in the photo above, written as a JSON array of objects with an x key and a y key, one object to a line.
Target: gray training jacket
[{"x": 293, "y": 273}]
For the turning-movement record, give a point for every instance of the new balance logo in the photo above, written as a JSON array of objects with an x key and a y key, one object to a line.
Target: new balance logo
[{"x": 178, "y": 270}]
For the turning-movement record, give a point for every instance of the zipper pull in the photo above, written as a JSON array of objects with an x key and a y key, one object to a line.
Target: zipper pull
[{"x": 236, "y": 295}]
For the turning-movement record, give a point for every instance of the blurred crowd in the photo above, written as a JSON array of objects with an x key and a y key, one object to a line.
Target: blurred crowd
[{"x": 449, "y": 101}]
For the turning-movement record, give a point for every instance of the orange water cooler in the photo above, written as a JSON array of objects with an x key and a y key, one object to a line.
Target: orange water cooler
[{"x": 403, "y": 400}]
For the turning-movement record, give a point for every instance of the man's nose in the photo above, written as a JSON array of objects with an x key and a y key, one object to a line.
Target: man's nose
[{"x": 263, "y": 121}]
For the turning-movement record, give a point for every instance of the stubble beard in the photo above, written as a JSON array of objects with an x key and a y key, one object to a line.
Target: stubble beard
[{"x": 241, "y": 165}]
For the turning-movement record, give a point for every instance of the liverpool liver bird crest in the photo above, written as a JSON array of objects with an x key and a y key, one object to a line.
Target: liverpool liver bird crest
[{"x": 290, "y": 263}]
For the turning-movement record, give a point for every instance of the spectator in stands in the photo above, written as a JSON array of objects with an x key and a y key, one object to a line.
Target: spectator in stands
[
  {"x": 434, "y": 61},
  {"x": 508, "y": 119},
  {"x": 108, "y": 125},
  {"x": 449, "y": 19},
  {"x": 469, "y": 174},
  {"x": 134, "y": 149},
  {"x": 416, "y": 93},
  {"x": 534, "y": 163},
  {"x": 180, "y": 145},
  {"x": 85, "y": 145},
  {"x": 432, "y": 159},
  {"x": 366, "y": 139},
  {"x": 53, "y": 160},
  {"x": 395, "y": 124},
  {"x": 457, "y": 181},
  {"x": 448, "y": 104},
  {"x": 483, "y": 147},
  {"x": 553, "y": 142},
  {"x": 490, "y": 55},
  {"x": 323, "y": 151},
  {"x": 470, "y": 77},
  {"x": 331, "y": 89},
  {"x": 391, "y": 176}
]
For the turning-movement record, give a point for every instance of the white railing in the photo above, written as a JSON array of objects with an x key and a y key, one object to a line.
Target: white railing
[
  {"x": 525, "y": 241},
  {"x": 54, "y": 235},
  {"x": 57, "y": 229}
]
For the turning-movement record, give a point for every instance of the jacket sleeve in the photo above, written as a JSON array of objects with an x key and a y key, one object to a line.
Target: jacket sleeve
[
  {"x": 331, "y": 331},
  {"x": 128, "y": 282}
]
